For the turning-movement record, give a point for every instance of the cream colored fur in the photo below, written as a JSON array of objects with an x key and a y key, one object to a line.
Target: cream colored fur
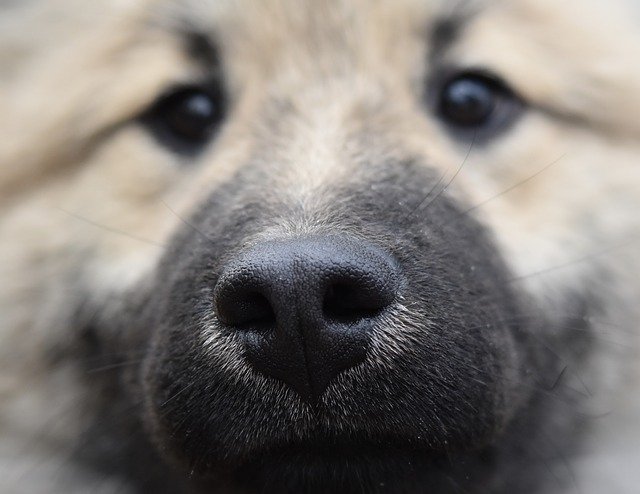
[{"x": 87, "y": 197}]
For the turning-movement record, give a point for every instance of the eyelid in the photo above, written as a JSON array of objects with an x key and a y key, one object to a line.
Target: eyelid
[{"x": 508, "y": 109}]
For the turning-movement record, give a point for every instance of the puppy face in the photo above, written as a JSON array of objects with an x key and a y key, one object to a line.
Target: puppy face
[{"x": 332, "y": 246}]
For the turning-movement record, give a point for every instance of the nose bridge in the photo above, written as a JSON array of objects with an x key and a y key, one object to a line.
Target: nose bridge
[
  {"x": 316, "y": 160},
  {"x": 312, "y": 135}
]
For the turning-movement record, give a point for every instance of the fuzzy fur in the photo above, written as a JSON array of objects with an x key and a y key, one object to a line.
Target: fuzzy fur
[{"x": 329, "y": 117}]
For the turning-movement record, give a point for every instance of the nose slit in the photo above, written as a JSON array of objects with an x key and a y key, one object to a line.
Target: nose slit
[{"x": 317, "y": 299}]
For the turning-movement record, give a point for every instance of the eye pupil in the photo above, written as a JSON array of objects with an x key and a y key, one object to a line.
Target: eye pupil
[
  {"x": 186, "y": 119},
  {"x": 191, "y": 115},
  {"x": 469, "y": 101}
]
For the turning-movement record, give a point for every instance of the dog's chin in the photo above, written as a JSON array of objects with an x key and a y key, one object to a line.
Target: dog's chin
[
  {"x": 335, "y": 442},
  {"x": 346, "y": 464},
  {"x": 325, "y": 459}
]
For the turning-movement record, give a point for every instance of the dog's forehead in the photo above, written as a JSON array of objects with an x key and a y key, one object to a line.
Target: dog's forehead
[
  {"x": 312, "y": 20},
  {"x": 320, "y": 35},
  {"x": 542, "y": 47}
]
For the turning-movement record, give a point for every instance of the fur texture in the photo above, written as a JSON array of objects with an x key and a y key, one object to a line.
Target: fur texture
[{"x": 508, "y": 362}]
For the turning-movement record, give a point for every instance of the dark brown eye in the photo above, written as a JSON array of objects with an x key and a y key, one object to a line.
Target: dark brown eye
[
  {"x": 186, "y": 119},
  {"x": 476, "y": 102}
]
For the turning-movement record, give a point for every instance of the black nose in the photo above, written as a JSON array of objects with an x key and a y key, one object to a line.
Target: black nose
[{"x": 306, "y": 307}]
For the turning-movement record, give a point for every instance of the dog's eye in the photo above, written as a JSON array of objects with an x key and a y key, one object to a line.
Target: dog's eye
[
  {"x": 185, "y": 119},
  {"x": 476, "y": 102}
]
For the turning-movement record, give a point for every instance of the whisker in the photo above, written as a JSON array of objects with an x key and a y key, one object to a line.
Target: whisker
[
  {"x": 443, "y": 189},
  {"x": 175, "y": 395},
  {"x": 117, "y": 365},
  {"x": 464, "y": 161},
  {"x": 513, "y": 187},
  {"x": 578, "y": 260},
  {"x": 126, "y": 363},
  {"x": 562, "y": 359},
  {"x": 436, "y": 185},
  {"x": 542, "y": 458},
  {"x": 111, "y": 229},
  {"x": 564, "y": 460},
  {"x": 587, "y": 332},
  {"x": 558, "y": 379},
  {"x": 189, "y": 224}
]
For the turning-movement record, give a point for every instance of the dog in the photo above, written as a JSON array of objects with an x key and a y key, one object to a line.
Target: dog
[{"x": 319, "y": 246}]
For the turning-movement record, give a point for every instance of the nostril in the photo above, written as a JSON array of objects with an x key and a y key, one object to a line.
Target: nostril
[
  {"x": 350, "y": 303},
  {"x": 304, "y": 309},
  {"x": 249, "y": 310}
]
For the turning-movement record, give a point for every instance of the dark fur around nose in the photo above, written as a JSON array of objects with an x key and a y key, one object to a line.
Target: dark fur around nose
[{"x": 305, "y": 308}]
